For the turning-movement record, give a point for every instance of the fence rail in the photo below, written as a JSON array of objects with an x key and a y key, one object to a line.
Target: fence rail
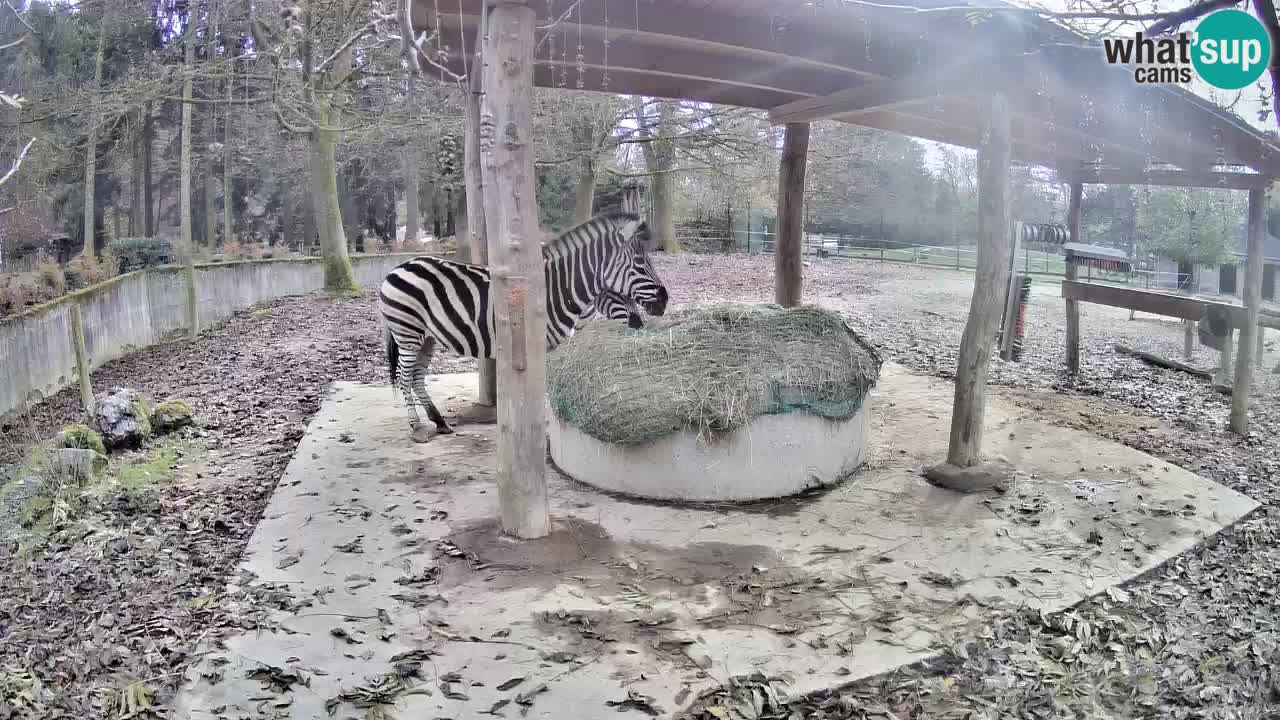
[{"x": 957, "y": 257}]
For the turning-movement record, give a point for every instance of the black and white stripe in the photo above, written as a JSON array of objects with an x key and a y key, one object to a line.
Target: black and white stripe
[
  {"x": 429, "y": 302},
  {"x": 612, "y": 306}
]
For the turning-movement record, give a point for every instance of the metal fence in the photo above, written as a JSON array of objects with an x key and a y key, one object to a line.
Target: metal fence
[{"x": 956, "y": 257}]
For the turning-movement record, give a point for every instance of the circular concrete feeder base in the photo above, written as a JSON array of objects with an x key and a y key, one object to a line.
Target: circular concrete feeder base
[{"x": 772, "y": 456}]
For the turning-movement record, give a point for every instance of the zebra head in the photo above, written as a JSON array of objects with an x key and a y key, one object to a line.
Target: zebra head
[{"x": 640, "y": 281}]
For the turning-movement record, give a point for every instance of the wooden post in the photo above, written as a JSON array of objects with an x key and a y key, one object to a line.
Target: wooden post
[
  {"x": 82, "y": 359},
  {"x": 515, "y": 254},
  {"x": 968, "y": 410},
  {"x": 473, "y": 178},
  {"x": 789, "y": 244},
  {"x": 1261, "y": 350},
  {"x": 1221, "y": 378},
  {"x": 1252, "y": 297},
  {"x": 1073, "y": 307},
  {"x": 193, "y": 294},
  {"x": 1188, "y": 338}
]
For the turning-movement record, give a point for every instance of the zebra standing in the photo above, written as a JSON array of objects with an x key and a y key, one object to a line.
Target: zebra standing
[{"x": 428, "y": 302}]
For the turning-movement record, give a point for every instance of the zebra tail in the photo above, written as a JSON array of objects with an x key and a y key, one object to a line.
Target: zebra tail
[{"x": 393, "y": 353}]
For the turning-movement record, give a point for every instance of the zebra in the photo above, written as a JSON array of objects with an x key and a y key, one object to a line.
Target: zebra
[{"x": 428, "y": 302}]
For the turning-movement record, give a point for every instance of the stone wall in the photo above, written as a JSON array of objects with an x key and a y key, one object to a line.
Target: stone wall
[{"x": 142, "y": 308}]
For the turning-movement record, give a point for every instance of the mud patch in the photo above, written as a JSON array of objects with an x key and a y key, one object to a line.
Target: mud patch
[{"x": 583, "y": 553}]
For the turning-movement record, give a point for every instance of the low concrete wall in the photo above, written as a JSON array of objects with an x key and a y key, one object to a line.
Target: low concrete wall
[
  {"x": 143, "y": 308},
  {"x": 772, "y": 456}
]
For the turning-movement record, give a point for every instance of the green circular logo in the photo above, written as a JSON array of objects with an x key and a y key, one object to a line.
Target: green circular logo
[{"x": 1231, "y": 49}]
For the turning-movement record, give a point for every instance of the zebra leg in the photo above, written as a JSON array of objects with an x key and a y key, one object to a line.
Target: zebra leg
[
  {"x": 406, "y": 366},
  {"x": 420, "y": 386}
]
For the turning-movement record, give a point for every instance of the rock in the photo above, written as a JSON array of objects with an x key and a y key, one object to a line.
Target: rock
[
  {"x": 78, "y": 464},
  {"x": 123, "y": 418},
  {"x": 81, "y": 437},
  {"x": 171, "y": 415}
]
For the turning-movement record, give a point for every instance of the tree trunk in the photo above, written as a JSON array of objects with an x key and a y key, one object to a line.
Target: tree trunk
[
  {"x": 323, "y": 142},
  {"x": 660, "y": 159},
  {"x": 226, "y": 196},
  {"x": 91, "y": 146},
  {"x": 787, "y": 249},
  {"x": 227, "y": 227},
  {"x": 450, "y": 230},
  {"x": 286, "y": 222},
  {"x": 211, "y": 180},
  {"x": 584, "y": 196},
  {"x": 984, "y": 311},
  {"x": 188, "y": 246},
  {"x": 519, "y": 291},
  {"x": 412, "y": 187},
  {"x": 136, "y": 212},
  {"x": 148, "y": 204}
]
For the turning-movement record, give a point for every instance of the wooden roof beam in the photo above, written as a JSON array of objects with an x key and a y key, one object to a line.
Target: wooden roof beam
[
  {"x": 690, "y": 27},
  {"x": 877, "y": 95},
  {"x": 1169, "y": 178},
  {"x": 951, "y": 133},
  {"x": 637, "y": 52}
]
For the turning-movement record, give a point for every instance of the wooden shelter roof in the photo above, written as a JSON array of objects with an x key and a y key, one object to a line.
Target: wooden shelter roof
[{"x": 919, "y": 70}]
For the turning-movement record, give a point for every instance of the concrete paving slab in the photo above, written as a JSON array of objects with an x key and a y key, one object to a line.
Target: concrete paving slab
[{"x": 398, "y": 549}]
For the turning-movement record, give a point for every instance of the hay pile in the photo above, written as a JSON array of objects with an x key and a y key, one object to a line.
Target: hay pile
[{"x": 709, "y": 370}]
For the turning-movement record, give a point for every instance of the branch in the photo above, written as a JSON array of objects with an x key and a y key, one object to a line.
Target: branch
[
  {"x": 1189, "y": 13},
  {"x": 19, "y": 16},
  {"x": 15, "y": 43},
  {"x": 1267, "y": 13},
  {"x": 407, "y": 46},
  {"x": 217, "y": 101},
  {"x": 362, "y": 32},
  {"x": 17, "y": 163}
]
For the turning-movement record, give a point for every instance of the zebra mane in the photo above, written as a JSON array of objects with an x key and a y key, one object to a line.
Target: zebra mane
[{"x": 571, "y": 238}]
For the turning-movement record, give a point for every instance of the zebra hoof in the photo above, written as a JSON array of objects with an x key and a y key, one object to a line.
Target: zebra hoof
[
  {"x": 444, "y": 430},
  {"x": 421, "y": 434}
]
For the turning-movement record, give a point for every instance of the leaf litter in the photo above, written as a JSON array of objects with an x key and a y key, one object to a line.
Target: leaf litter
[{"x": 1195, "y": 638}]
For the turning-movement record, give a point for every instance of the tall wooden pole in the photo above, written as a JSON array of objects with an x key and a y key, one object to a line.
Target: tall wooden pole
[
  {"x": 473, "y": 177},
  {"x": 787, "y": 249},
  {"x": 1252, "y": 297},
  {"x": 1073, "y": 307},
  {"x": 515, "y": 254},
  {"x": 964, "y": 450}
]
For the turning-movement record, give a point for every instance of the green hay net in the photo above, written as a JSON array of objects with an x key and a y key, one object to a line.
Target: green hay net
[{"x": 710, "y": 370}]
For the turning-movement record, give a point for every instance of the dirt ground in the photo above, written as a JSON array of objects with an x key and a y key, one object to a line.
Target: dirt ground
[{"x": 113, "y": 607}]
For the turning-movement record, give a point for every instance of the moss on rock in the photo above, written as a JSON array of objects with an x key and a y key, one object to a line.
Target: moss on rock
[
  {"x": 171, "y": 415},
  {"x": 80, "y": 437}
]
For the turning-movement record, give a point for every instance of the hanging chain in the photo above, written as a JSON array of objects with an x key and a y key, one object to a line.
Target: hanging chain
[
  {"x": 551, "y": 39},
  {"x": 564, "y": 57},
  {"x": 604, "y": 82},
  {"x": 582, "y": 65}
]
